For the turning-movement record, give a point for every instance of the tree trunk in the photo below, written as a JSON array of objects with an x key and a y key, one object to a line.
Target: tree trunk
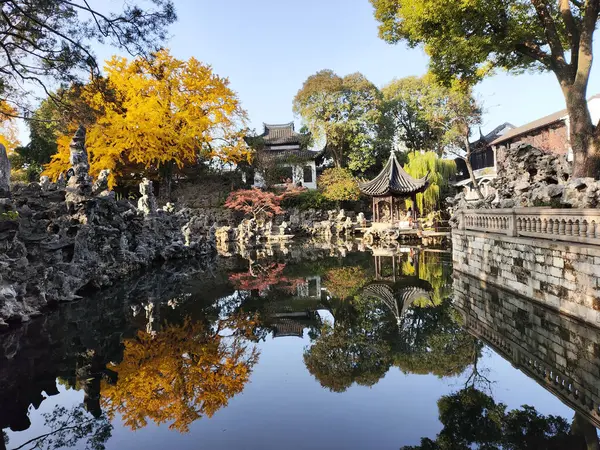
[
  {"x": 166, "y": 181},
  {"x": 583, "y": 134},
  {"x": 582, "y": 427},
  {"x": 467, "y": 160}
]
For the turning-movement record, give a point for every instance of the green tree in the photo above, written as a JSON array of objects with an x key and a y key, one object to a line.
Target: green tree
[
  {"x": 408, "y": 104},
  {"x": 469, "y": 39},
  {"x": 338, "y": 185},
  {"x": 432, "y": 341},
  {"x": 472, "y": 419},
  {"x": 354, "y": 350},
  {"x": 426, "y": 115},
  {"x": 439, "y": 170},
  {"x": 49, "y": 41},
  {"x": 343, "y": 111}
]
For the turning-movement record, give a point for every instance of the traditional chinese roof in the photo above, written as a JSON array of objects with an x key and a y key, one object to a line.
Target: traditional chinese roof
[
  {"x": 280, "y": 134},
  {"x": 397, "y": 301},
  {"x": 393, "y": 180}
]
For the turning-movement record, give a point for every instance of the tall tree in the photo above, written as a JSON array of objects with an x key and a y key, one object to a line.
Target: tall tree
[
  {"x": 343, "y": 111},
  {"x": 473, "y": 419},
  {"x": 407, "y": 104},
  {"x": 469, "y": 39},
  {"x": 165, "y": 114},
  {"x": 48, "y": 42},
  {"x": 56, "y": 116}
]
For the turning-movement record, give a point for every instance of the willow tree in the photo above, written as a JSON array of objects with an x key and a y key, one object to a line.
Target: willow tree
[
  {"x": 439, "y": 170},
  {"x": 469, "y": 39}
]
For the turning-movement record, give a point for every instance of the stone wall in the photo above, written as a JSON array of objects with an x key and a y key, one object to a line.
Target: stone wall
[
  {"x": 562, "y": 276},
  {"x": 560, "y": 353}
]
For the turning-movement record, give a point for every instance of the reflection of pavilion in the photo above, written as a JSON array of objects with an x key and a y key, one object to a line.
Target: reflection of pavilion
[
  {"x": 388, "y": 261},
  {"x": 399, "y": 297}
]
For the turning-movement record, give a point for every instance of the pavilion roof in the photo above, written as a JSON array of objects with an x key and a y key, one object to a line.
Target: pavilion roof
[
  {"x": 280, "y": 134},
  {"x": 393, "y": 180}
]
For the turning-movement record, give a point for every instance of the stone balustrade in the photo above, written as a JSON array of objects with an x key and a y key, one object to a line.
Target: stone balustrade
[
  {"x": 571, "y": 225},
  {"x": 560, "y": 353}
]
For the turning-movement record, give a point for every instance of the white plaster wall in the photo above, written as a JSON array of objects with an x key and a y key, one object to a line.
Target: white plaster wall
[{"x": 297, "y": 173}]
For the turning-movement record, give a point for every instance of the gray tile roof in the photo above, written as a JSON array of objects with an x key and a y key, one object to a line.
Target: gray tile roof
[
  {"x": 280, "y": 134},
  {"x": 393, "y": 180},
  {"x": 539, "y": 123}
]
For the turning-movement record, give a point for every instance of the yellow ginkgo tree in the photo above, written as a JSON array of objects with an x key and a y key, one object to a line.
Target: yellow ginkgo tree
[
  {"x": 161, "y": 114},
  {"x": 8, "y": 128}
]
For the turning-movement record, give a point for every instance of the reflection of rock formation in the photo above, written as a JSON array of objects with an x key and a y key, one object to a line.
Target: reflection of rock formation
[
  {"x": 560, "y": 353},
  {"x": 75, "y": 342}
]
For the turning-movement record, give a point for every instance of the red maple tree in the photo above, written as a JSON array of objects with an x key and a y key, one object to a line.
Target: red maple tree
[
  {"x": 259, "y": 203},
  {"x": 261, "y": 277}
]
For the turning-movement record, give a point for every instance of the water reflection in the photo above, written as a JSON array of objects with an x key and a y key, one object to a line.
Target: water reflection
[
  {"x": 471, "y": 418},
  {"x": 175, "y": 347}
]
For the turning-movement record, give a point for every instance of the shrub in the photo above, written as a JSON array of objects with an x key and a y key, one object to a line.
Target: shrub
[
  {"x": 338, "y": 184},
  {"x": 308, "y": 200}
]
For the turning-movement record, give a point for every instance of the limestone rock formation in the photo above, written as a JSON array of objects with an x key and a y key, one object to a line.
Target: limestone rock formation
[
  {"x": 58, "y": 241},
  {"x": 79, "y": 184},
  {"x": 147, "y": 202},
  {"x": 4, "y": 173},
  {"x": 530, "y": 177}
]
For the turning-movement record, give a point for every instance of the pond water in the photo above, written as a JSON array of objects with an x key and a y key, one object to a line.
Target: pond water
[{"x": 296, "y": 348}]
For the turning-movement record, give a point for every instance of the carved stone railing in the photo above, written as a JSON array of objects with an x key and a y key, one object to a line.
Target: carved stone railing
[{"x": 571, "y": 225}]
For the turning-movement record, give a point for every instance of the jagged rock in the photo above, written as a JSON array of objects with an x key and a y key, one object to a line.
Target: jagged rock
[
  {"x": 100, "y": 187},
  {"x": 51, "y": 251},
  {"x": 4, "y": 173},
  {"x": 507, "y": 203},
  {"x": 79, "y": 185},
  {"x": 522, "y": 186},
  {"x": 44, "y": 182},
  {"x": 555, "y": 190},
  {"x": 147, "y": 202}
]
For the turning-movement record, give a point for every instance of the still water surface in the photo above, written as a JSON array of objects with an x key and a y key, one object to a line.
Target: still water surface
[{"x": 302, "y": 348}]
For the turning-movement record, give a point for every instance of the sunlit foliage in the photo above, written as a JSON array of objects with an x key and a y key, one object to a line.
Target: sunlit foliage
[
  {"x": 338, "y": 184},
  {"x": 439, "y": 170},
  {"x": 343, "y": 111},
  {"x": 345, "y": 282},
  {"x": 166, "y": 113},
  {"x": 182, "y": 373}
]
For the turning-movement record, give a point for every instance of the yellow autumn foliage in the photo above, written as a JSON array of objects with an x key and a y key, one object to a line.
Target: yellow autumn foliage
[
  {"x": 8, "y": 128},
  {"x": 162, "y": 111},
  {"x": 180, "y": 374}
]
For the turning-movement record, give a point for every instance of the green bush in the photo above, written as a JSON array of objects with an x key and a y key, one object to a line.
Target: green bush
[
  {"x": 307, "y": 200},
  {"x": 9, "y": 215}
]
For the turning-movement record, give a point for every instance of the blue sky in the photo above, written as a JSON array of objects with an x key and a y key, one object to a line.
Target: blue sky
[{"x": 267, "y": 48}]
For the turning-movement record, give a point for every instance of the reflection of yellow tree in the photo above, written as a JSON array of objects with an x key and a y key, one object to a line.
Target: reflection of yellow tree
[
  {"x": 344, "y": 282},
  {"x": 182, "y": 373}
]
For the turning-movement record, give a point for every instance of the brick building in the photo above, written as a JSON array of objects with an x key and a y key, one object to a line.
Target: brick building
[{"x": 549, "y": 133}]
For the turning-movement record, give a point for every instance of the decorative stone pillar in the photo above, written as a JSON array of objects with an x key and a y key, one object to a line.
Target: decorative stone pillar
[
  {"x": 147, "y": 202},
  {"x": 79, "y": 186},
  {"x": 4, "y": 173}
]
